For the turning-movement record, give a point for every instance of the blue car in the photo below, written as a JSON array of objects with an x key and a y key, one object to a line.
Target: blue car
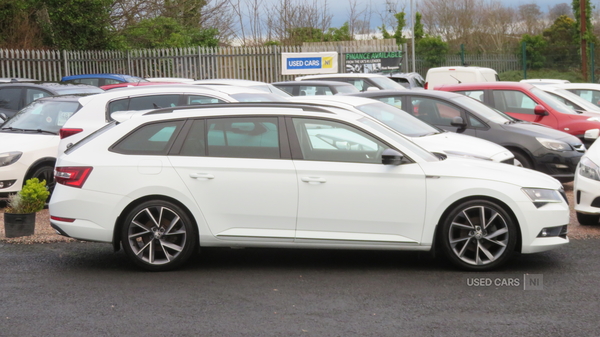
[{"x": 99, "y": 80}]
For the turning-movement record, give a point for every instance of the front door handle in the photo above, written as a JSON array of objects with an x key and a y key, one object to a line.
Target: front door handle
[
  {"x": 314, "y": 180},
  {"x": 202, "y": 176}
]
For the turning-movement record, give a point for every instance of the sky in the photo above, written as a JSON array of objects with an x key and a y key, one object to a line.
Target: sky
[{"x": 340, "y": 12}]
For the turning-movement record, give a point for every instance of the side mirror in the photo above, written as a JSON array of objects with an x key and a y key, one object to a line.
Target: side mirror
[
  {"x": 592, "y": 134},
  {"x": 372, "y": 89},
  {"x": 391, "y": 157},
  {"x": 3, "y": 117},
  {"x": 540, "y": 110},
  {"x": 458, "y": 122}
]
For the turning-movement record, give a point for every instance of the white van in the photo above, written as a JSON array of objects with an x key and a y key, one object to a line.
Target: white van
[{"x": 455, "y": 75}]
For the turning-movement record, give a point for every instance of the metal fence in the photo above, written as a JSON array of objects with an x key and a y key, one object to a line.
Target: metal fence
[{"x": 251, "y": 63}]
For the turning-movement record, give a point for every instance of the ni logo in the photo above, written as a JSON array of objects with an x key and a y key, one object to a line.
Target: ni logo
[{"x": 327, "y": 62}]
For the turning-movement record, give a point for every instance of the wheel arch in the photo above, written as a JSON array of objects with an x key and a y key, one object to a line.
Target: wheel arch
[
  {"x": 502, "y": 204},
  {"x": 523, "y": 151},
  {"x": 116, "y": 241},
  {"x": 38, "y": 163}
]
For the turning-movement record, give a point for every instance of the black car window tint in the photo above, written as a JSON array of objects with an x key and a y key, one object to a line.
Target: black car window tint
[
  {"x": 149, "y": 139},
  {"x": 9, "y": 98}
]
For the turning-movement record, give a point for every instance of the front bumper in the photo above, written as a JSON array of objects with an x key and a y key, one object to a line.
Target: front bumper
[
  {"x": 560, "y": 165},
  {"x": 586, "y": 193}
]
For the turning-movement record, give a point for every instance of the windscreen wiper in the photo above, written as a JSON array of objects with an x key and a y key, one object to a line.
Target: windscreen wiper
[{"x": 30, "y": 130}]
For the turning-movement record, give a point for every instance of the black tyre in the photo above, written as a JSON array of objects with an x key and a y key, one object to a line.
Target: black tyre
[
  {"x": 478, "y": 235},
  {"x": 158, "y": 235},
  {"x": 46, "y": 173},
  {"x": 522, "y": 160},
  {"x": 588, "y": 219}
]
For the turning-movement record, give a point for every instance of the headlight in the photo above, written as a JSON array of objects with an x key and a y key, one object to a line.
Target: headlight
[
  {"x": 555, "y": 145},
  {"x": 8, "y": 158},
  {"x": 542, "y": 196},
  {"x": 589, "y": 169}
]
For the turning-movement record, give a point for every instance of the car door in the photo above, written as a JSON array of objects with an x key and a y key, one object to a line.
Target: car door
[
  {"x": 441, "y": 114},
  {"x": 239, "y": 171},
  {"x": 346, "y": 195},
  {"x": 521, "y": 106}
]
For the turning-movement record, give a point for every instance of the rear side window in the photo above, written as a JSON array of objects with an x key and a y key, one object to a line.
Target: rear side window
[
  {"x": 149, "y": 139},
  {"x": 311, "y": 90},
  {"x": 199, "y": 99},
  {"x": 144, "y": 102},
  {"x": 9, "y": 98}
]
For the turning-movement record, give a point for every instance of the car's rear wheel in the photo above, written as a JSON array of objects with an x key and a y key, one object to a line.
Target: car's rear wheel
[
  {"x": 478, "y": 235},
  {"x": 588, "y": 219},
  {"x": 158, "y": 235}
]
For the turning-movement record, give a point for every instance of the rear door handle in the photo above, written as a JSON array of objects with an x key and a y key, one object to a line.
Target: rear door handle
[
  {"x": 314, "y": 180},
  {"x": 202, "y": 176}
]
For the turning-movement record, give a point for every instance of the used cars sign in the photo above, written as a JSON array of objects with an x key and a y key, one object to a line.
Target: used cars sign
[{"x": 309, "y": 63}]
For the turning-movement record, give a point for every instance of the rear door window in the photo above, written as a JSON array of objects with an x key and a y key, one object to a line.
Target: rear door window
[{"x": 9, "y": 98}]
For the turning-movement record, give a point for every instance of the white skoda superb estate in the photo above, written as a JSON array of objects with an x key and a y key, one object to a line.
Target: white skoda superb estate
[{"x": 293, "y": 175}]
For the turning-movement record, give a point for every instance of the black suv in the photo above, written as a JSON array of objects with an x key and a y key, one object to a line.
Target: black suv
[{"x": 15, "y": 96}]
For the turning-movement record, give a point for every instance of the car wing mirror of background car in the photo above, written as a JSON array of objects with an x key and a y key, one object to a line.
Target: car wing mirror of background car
[
  {"x": 591, "y": 134},
  {"x": 3, "y": 117},
  {"x": 391, "y": 157},
  {"x": 540, "y": 110},
  {"x": 458, "y": 122}
]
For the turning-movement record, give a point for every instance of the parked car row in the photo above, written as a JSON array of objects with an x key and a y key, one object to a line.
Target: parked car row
[{"x": 182, "y": 168}]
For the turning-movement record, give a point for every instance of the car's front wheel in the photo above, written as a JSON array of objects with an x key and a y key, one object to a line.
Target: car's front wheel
[
  {"x": 588, "y": 219},
  {"x": 478, "y": 235},
  {"x": 158, "y": 235}
]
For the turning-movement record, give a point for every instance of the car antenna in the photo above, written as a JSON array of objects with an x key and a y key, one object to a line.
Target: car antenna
[{"x": 457, "y": 80}]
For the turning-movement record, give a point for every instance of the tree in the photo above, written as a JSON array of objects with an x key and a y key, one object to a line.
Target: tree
[
  {"x": 19, "y": 28},
  {"x": 531, "y": 18},
  {"x": 400, "y": 23},
  {"x": 163, "y": 32},
  {"x": 589, "y": 35},
  {"x": 418, "y": 28},
  {"x": 562, "y": 37},
  {"x": 455, "y": 21},
  {"x": 558, "y": 10},
  {"x": 432, "y": 50},
  {"x": 535, "y": 49},
  {"x": 287, "y": 16}
]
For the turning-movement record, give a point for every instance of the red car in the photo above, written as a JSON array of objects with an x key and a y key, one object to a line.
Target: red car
[{"x": 526, "y": 102}]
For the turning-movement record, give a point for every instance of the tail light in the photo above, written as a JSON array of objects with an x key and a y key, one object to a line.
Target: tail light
[
  {"x": 426, "y": 86},
  {"x": 72, "y": 176},
  {"x": 64, "y": 133}
]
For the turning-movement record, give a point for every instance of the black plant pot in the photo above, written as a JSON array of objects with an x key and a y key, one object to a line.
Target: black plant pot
[{"x": 16, "y": 225}]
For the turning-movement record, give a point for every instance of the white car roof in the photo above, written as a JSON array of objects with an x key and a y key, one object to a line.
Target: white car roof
[
  {"x": 337, "y": 100},
  {"x": 170, "y": 88},
  {"x": 544, "y": 81},
  {"x": 338, "y": 75},
  {"x": 590, "y": 86},
  {"x": 229, "y": 81},
  {"x": 170, "y": 79}
]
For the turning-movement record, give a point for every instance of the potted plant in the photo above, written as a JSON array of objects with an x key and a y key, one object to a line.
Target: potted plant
[{"x": 19, "y": 214}]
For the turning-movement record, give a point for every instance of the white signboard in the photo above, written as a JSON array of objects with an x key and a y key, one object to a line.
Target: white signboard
[{"x": 309, "y": 63}]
